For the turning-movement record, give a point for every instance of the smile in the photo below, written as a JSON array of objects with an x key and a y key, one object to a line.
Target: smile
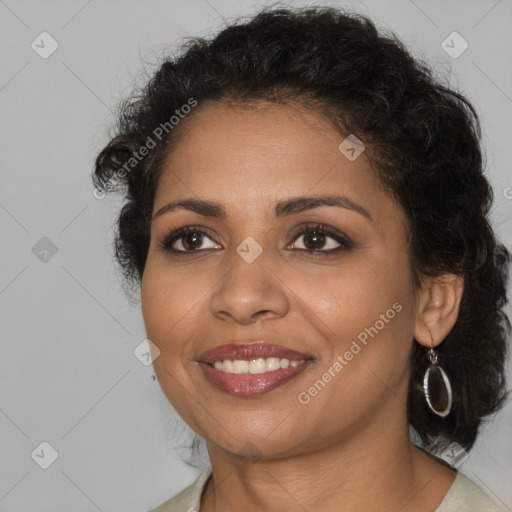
[
  {"x": 245, "y": 383},
  {"x": 249, "y": 369}
]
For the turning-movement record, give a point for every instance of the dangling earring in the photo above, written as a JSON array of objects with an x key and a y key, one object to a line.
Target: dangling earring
[{"x": 436, "y": 385}]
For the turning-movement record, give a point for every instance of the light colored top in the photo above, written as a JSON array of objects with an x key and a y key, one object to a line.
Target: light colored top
[{"x": 462, "y": 496}]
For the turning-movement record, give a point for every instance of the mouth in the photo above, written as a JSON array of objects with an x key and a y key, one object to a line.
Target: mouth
[{"x": 252, "y": 369}]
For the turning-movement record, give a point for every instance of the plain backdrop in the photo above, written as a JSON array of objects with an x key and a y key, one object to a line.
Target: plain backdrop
[{"x": 69, "y": 376}]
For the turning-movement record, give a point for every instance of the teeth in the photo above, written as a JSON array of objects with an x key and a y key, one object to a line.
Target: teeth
[
  {"x": 240, "y": 366},
  {"x": 254, "y": 366},
  {"x": 258, "y": 365}
]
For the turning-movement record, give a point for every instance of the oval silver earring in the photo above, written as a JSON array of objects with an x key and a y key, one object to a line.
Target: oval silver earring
[{"x": 436, "y": 386}]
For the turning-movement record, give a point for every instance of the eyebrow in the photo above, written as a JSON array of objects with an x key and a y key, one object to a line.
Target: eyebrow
[{"x": 282, "y": 209}]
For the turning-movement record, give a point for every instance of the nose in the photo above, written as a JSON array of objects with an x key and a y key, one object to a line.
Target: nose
[{"x": 249, "y": 292}]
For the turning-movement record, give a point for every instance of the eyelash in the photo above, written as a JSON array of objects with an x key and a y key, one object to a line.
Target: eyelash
[{"x": 345, "y": 243}]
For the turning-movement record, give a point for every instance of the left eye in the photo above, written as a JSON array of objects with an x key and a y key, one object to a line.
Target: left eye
[{"x": 317, "y": 239}]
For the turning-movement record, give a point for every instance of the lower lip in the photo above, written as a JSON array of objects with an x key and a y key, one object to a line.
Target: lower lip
[{"x": 249, "y": 384}]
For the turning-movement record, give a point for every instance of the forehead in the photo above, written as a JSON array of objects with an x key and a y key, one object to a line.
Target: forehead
[{"x": 268, "y": 148}]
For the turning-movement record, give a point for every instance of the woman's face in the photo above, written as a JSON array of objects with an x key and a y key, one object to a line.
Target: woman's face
[{"x": 254, "y": 275}]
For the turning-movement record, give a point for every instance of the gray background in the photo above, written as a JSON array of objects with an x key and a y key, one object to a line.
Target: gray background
[{"x": 67, "y": 368}]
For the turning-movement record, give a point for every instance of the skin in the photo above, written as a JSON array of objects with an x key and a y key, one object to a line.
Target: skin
[{"x": 349, "y": 445}]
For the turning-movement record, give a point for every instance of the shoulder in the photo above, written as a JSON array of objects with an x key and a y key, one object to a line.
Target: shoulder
[
  {"x": 465, "y": 496},
  {"x": 189, "y": 499}
]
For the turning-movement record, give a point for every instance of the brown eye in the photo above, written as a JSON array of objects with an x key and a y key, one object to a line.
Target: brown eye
[
  {"x": 314, "y": 240},
  {"x": 187, "y": 239},
  {"x": 192, "y": 240},
  {"x": 318, "y": 239}
]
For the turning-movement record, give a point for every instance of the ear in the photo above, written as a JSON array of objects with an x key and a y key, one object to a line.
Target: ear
[{"x": 438, "y": 308}]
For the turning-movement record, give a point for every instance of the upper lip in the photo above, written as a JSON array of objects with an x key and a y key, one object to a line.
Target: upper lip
[{"x": 248, "y": 351}]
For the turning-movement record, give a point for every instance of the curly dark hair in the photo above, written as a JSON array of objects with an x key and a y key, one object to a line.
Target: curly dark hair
[{"x": 423, "y": 139}]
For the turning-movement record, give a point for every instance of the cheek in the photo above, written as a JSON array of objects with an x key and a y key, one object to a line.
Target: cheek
[
  {"x": 169, "y": 302},
  {"x": 355, "y": 294},
  {"x": 366, "y": 312},
  {"x": 167, "y": 299}
]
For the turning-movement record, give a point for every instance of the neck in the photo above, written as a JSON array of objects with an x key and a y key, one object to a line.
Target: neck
[{"x": 377, "y": 470}]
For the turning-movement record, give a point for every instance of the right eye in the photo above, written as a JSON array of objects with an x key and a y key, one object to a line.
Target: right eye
[{"x": 186, "y": 240}]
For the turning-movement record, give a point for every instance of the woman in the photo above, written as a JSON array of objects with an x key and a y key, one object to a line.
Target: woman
[{"x": 306, "y": 214}]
